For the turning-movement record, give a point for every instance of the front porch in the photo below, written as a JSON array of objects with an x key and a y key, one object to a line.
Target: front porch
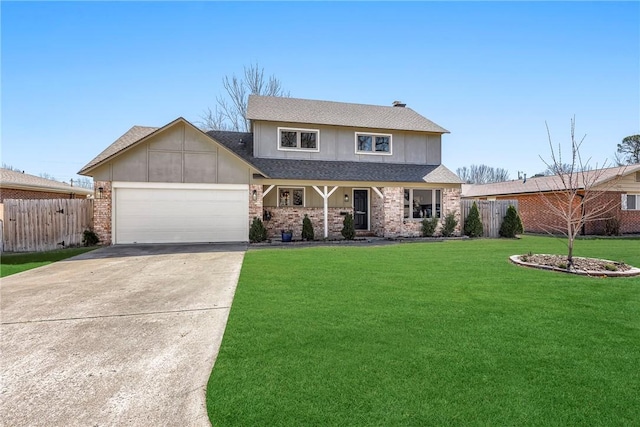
[{"x": 382, "y": 211}]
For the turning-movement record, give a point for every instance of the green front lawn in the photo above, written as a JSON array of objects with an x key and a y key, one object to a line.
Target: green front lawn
[
  {"x": 13, "y": 263},
  {"x": 429, "y": 334}
]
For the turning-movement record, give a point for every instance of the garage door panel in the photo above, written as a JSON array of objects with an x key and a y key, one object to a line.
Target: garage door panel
[{"x": 155, "y": 215}]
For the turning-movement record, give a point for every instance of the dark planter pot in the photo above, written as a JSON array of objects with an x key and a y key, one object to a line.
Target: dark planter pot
[{"x": 286, "y": 237}]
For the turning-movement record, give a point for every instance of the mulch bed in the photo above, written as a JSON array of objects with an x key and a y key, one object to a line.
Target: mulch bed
[{"x": 585, "y": 266}]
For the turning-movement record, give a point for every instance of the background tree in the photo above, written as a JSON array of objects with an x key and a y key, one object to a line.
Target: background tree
[
  {"x": 83, "y": 182},
  {"x": 46, "y": 175},
  {"x": 628, "y": 152},
  {"x": 482, "y": 174},
  {"x": 574, "y": 202},
  {"x": 230, "y": 112},
  {"x": 11, "y": 168}
]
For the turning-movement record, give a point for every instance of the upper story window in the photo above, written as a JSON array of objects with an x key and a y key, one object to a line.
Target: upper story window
[
  {"x": 298, "y": 139},
  {"x": 373, "y": 143}
]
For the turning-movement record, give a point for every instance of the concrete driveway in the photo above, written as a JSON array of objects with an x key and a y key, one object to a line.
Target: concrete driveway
[{"x": 123, "y": 335}]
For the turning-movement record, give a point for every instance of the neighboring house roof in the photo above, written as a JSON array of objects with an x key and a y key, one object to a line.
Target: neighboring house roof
[
  {"x": 24, "y": 181},
  {"x": 294, "y": 110},
  {"x": 546, "y": 183},
  {"x": 132, "y": 136},
  {"x": 314, "y": 170}
]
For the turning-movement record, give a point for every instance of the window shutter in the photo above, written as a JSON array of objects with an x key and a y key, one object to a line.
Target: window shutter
[{"x": 623, "y": 201}]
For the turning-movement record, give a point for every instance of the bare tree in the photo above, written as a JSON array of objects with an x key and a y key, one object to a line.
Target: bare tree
[
  {"x": 572, "y": 197},
  {"x": 482, "y": 174},
  {"x": 46, "y": 175},
  {"x": 230, "y": 112},
  {"x": 83, "y": 182},
  {"x": 11, "y": 168}
]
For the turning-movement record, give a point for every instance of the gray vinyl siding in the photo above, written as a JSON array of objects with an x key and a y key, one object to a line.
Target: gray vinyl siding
[{"x": 338, "y": 143}]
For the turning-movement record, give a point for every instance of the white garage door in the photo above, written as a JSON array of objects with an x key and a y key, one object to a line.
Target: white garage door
[{"x": 181, "y": 213}]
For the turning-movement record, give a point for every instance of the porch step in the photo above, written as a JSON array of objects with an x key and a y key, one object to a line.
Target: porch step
[{"x": 365, "y": 233}]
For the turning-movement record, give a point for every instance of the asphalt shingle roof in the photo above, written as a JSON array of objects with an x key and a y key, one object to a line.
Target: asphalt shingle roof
[
  {"x": 295, "y": 110},
  {"x": 130, "y": 137},
  {"x": 14, "y": 179},
  {"x": 322, "y": 170},
  {"x": 544, "y": 183}
]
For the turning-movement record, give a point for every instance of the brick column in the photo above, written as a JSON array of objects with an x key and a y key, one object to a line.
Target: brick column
[
  {"x": 393, "y": 211},
  {"x": 451, "y": 203},
  {"x": 255, "y": 207},
  {"x": 102, "y": 211}
]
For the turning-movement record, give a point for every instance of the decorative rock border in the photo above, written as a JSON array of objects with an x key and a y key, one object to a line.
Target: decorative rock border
[{"x": 633, "y": 271}]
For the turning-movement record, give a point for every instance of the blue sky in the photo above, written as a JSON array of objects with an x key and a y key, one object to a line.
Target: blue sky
[{"x": 76, "y": 76}]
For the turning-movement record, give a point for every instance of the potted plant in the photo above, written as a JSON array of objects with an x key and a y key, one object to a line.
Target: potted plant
[{"x": 287, "y": 235}]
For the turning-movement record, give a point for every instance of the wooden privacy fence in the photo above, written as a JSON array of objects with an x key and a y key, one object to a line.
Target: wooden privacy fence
[
  {"x": 492, "y": 214},
  {"x": 43, "y": 225}
]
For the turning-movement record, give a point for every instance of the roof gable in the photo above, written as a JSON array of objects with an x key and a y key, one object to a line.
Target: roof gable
[
  {"x": 295, "y": 110},
  {"x": 137, "y": 135}
]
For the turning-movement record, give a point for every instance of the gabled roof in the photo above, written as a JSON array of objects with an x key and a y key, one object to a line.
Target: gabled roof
[
  {"x": 322, "y": 170},
  {"x": 24, "y": 181},
  {"x": 130, "y": 137},
  {"x": 294, "y": 110},
  {"x": 545, "y": 183}
]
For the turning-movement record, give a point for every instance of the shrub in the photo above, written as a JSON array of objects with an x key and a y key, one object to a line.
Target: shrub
[
  {"x": 90, "y": 238},
  {"x": 257, "y": 232},
  {"x": 307, "y": 228},
  {"x": 429, "y": 226},
  {"x": 472, "y": 224},
  {"x": 450, "y": 223},
  {"x": 348, "y": 229},
  {"x": 612, "y": 227},
  {"x": 512, "y": 224}
]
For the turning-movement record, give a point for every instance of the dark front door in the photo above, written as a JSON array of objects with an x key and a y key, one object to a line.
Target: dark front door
[{"x": 361, "y": 209}]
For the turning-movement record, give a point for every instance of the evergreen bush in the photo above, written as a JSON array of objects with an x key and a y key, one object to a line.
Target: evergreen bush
[
  {"x": 257, "y": 232},
  {"x": 512, "y": 224},
  {"x": 429, "y": 227},
  {"x": 348, "y": 228},
  {"x": 450, "y": 223},
  {"x": 472, "y": 224},
  {"x": 612, "y": 227},
  {"x": 90, "y": 238},
  {"x": 307, "y": 228}
]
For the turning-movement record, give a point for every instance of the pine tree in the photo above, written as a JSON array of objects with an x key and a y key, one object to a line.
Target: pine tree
[
  {"x": 257, "y": 232},
  {"x": 472, "y": 224},
  {"x": 307, "y": 229},
  {"x": 348, "y": 229},
  {"x": 512, "y": 224}
]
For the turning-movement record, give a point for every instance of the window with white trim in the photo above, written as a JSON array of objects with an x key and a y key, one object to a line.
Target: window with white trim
[
  {"x": 422, "y": 203},
  {"x": 298, "y": 139},
  {"x": 631, "y": 202},
  {"x": 373, "y": 143},
  {"x": 290, "y": 196}
]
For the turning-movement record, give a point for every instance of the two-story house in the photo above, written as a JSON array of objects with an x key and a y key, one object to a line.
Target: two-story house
[{"x": 319, "y": 158}]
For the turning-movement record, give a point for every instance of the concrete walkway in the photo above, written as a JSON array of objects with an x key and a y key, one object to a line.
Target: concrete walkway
[{"x": 124, "y": 335}]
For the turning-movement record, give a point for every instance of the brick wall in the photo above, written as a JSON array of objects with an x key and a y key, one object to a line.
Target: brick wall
[
  {"x": 628, "y": 220},
  {"x": 13, "y": 193},
  {"x": 537, "y": 217},
  {"x": 291, "y": 218},
  {"x": 102, "y": 212},
  {"x": 377, "y": 214},
  {"x": 395, "y": 225},
  {"x": 255, "y": 207}
]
